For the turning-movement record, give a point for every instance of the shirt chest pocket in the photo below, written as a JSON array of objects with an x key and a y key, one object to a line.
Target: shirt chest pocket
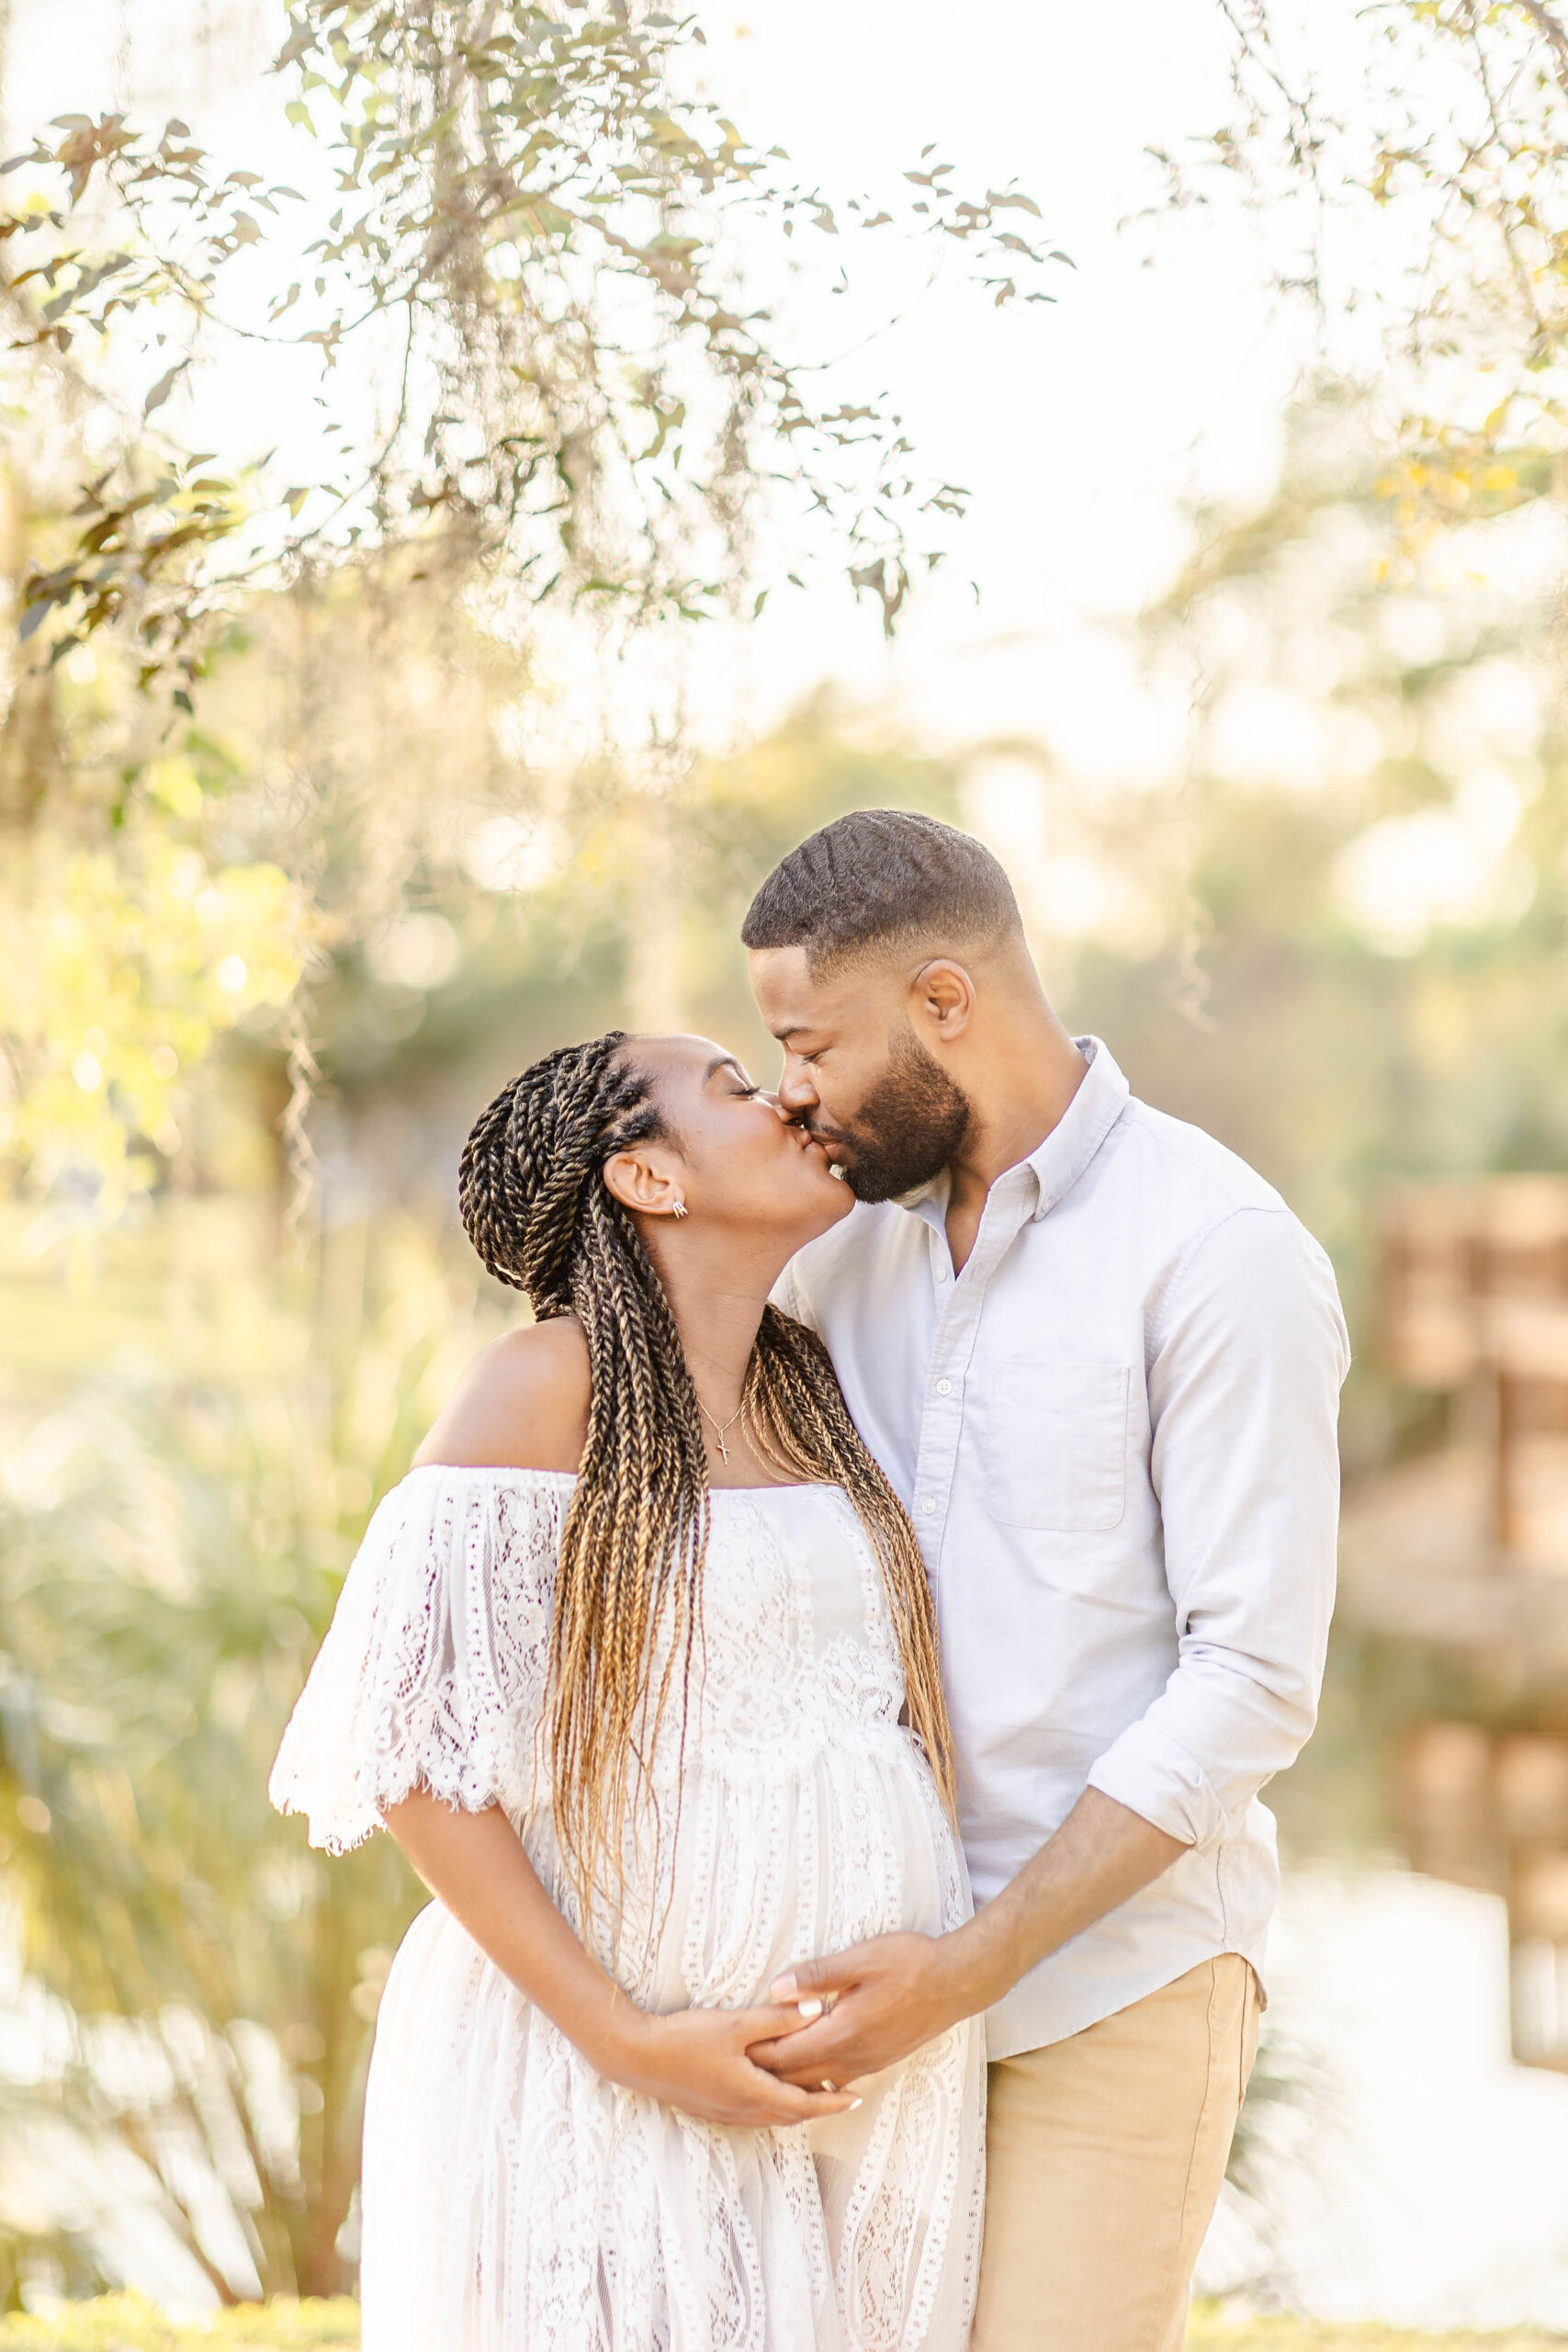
[{"x": 1053, "y": 1441}]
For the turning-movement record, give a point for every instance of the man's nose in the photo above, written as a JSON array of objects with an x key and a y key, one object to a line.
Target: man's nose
[{"x": 797, "y": 1092}]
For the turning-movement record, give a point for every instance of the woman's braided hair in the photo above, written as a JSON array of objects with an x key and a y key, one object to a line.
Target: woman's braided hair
[{"x": 632, "y": 1550}]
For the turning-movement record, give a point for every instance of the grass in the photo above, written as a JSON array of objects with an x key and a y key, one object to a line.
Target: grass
[
  {"x": 126, "y": 2323},
  {"x": 1213, "y": 2329}
]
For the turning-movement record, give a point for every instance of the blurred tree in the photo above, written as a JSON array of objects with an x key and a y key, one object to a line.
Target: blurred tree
[
  {"x": 169, "y": 1556},
  {"x": 1412, "y": 173},
  {"x": 537, "y": 925},
  {"x": 541, "y": 382},
  {"x": 1357, "y": 899},
  {"x": 359, "y": 734}
]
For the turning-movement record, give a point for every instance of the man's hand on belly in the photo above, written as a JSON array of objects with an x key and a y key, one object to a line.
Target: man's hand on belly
[
  {"x": 887, "y": 1995},
  {"x": 892, "y": 1993}
]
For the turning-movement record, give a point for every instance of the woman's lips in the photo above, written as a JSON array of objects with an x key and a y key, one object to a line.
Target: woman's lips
[
  {"x": 810, "y": 1143},
  {"x": 828, "y": 1154}
]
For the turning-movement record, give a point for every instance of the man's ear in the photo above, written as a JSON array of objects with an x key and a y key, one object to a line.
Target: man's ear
[
  {"x": 646, "y": 1181},
  {"x": 942, "y": 999}
]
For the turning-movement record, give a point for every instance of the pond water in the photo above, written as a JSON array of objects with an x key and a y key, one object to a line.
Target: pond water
[{"x": 1407, "y": 2168}]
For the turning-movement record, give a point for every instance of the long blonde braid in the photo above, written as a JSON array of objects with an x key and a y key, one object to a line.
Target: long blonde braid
[{"x": 542, "y": 1220}]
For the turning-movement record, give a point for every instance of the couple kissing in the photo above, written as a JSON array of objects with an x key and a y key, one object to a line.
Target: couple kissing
[{"x": 824, "y": 1666}]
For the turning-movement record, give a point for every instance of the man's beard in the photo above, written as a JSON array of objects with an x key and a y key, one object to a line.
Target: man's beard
[{"x": 907, "y": 1128}]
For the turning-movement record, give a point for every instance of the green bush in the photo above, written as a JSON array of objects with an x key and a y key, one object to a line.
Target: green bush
[{"x": 127, "y": 2324}]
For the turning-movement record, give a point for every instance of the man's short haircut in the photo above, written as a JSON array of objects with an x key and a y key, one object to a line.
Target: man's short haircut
[{"x": 878, "y": 876}]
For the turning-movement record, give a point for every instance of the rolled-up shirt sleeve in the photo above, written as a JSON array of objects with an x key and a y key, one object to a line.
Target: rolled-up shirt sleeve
[{"x": 1248, "y": 1354}]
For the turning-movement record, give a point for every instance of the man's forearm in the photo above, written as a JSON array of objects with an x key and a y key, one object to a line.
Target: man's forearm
[
  {"x": 894, "y": 1992},
  {"x": 1102, "y": 1853}
]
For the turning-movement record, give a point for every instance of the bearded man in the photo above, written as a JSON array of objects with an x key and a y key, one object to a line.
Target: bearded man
[{"x": 1100, "y": 1361}]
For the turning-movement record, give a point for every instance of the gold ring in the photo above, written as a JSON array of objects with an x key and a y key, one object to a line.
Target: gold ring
[{"x": 827, "y": 2086}]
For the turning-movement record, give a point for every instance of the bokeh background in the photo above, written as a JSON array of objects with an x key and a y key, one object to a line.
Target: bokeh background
[{"x": 322, "y": 815}]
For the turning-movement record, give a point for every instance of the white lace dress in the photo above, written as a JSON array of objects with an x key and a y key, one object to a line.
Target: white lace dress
[{"x": 516, "y": 2202}]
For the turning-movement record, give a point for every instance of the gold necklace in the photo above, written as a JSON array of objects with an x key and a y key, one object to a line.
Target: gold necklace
[{"x": 722, "y": 1427}]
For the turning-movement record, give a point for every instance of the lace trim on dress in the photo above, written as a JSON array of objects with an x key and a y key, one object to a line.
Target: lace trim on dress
[{"x": 434, "y": 1668}]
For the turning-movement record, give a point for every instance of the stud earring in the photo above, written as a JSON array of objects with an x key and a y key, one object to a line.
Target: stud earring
[{"x": 678, "y": 1208}]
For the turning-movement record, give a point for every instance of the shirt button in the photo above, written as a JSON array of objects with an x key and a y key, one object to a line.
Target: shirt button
[
  {"x": 944, "y": 1388},
  {"x": 928, "y": 1505},
  {"x": 941, "y": 1273}
]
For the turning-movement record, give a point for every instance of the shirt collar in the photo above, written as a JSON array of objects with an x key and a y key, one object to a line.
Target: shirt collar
[
  {"x": 1101, "y": 1098},
  {"x": 1055, "y": 1166}
]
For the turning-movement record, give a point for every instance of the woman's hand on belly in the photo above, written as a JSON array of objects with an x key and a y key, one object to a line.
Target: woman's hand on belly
[
  {"x": 695, "y": 2060},
  {"x": 692, "y": 2059}
]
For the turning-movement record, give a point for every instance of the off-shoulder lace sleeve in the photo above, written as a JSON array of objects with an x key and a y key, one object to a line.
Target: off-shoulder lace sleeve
[{"x": 434, "y": 1669}]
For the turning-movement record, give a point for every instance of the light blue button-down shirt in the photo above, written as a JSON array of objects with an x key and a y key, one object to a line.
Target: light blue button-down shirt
[{"x": 1115, "y": 1432}]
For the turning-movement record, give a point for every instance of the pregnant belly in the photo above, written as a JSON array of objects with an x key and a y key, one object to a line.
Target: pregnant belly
[{"x": 773, "y": 1866}]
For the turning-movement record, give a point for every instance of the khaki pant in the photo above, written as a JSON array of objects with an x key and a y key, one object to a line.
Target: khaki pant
[{"x": 1104, "y": 2157}]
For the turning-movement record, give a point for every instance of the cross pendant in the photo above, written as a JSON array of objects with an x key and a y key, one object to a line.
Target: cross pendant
[{"x": 722, "y": 1449}]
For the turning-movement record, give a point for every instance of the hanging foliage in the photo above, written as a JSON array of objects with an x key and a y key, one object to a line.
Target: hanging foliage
[
  {"x": 514, "y": 303},
  {"x": 537, "y": 256},
  {"x": 1412, "y": 178}
]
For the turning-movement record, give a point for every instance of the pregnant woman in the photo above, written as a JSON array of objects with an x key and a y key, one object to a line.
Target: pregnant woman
[{"x": 637, "y": 1665}]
